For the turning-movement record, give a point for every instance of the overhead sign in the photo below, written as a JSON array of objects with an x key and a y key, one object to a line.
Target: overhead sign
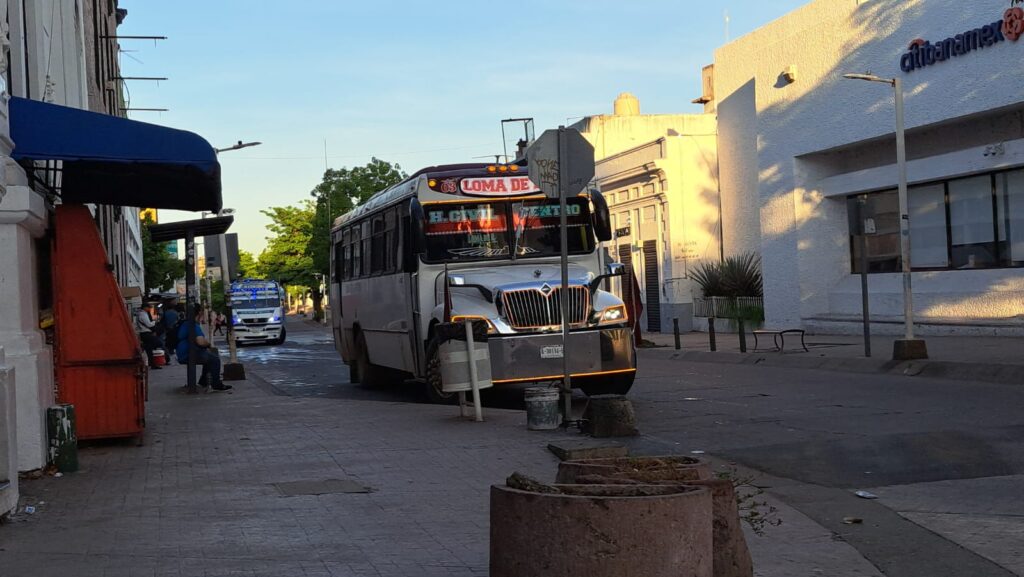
[
  {"x": 922, "y": 53},
  {"x": 572, "y": 169},
  {"x": 498, "y": 186}
]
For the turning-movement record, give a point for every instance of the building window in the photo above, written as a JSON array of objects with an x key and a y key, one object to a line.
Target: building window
[
  {"x": 928, "y": 227},
  {"x": 1010, "y": 212},
  {"x": 965, "y": 223}
]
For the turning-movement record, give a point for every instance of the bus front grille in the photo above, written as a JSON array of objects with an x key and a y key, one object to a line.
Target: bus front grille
[{"x": 536, "y": 308}]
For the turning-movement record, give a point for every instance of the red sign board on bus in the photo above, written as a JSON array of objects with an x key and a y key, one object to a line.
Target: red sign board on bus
[{"x": 498, "y": 186}]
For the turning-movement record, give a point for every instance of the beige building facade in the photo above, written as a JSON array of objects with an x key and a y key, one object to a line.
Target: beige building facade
[{"x": 659, "y": 174}]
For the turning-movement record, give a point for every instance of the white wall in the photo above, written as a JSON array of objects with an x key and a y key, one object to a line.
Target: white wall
[{"x": 782, "y": 144}]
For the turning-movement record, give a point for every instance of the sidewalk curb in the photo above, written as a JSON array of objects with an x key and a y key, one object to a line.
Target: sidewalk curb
[{"x": 982, "y": 372}]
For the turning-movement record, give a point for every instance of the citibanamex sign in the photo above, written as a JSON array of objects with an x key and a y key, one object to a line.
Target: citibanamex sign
[{"x": 923, "y": 53}]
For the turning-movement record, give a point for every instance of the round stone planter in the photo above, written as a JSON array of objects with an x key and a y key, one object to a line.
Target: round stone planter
[
  {"x": 731, "y": 556},
  {"x": 643, "y": 469},
  {"x": 601, "y": 530}
]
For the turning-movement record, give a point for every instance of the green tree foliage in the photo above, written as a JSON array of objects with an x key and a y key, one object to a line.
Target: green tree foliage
[
  {"x": 248, "y": 266},
  {"x": 343, "y": 190},
  {"x": 161, "y": 268},
  {"x": 287, "y": 256}
]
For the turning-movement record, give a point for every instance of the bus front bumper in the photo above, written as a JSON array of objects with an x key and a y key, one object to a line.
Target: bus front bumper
[
  {"x": 533, "y": 358},
  {"x": 247, "y": 333}
]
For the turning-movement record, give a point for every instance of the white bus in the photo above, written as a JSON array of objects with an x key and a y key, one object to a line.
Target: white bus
[
  {"x": 498, "y": 239},
  {"x": 257, "y": 310}
]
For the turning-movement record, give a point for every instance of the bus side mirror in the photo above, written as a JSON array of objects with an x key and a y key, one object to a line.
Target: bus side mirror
[
  {"x": 416, "y": 233},
  {"x": 602, "y": 218},
  {"x": 612, "y": 270}
]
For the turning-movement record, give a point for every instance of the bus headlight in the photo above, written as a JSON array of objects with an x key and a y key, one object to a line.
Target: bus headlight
[
  {"x": 491, "y": 329},
  {"x": 613, "y": 315}
]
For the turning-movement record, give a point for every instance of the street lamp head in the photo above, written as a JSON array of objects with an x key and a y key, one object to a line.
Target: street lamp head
[
  {"x": 237, "y": 146},
  {"x": 869, "y": 78}
]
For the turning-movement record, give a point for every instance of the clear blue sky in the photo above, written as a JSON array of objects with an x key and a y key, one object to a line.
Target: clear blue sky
[{"x": 417, "y": 83}]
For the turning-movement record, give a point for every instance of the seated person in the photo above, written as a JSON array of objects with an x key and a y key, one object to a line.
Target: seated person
[{"x": 204, "y": 356}]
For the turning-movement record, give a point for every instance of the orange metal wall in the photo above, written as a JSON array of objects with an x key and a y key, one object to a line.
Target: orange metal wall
[{"x": 98, "y": 360}]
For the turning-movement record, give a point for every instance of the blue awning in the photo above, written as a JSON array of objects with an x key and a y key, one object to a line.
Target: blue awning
[{"x": 112, "y": 160}]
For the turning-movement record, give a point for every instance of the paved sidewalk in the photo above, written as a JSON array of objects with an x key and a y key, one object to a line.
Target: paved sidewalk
[
  {"x": 989, "y": 359},
  {"x": 199, "y": 499}
]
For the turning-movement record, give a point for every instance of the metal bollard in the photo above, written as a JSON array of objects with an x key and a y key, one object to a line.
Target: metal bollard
[
  {"x": 675, "y": 330},
  {"x": 711, "y": 333},
  {"x": 743, "y": 335}
]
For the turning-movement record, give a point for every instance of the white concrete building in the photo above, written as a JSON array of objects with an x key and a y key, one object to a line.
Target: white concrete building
[
  {"x": 64, "y": 52},
  {"x": 799, "y": 145},
  {"x": 658, "y": 173}
]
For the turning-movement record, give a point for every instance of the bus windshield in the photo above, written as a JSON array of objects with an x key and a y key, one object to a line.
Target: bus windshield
[
  {"x": 496, "y": 230},
  {"x": 255, "y": 303}
]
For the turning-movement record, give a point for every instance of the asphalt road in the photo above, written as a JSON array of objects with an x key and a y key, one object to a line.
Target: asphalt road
[
  {"x": 819, "y": 434},
  {"x": 307, "y": 365}
]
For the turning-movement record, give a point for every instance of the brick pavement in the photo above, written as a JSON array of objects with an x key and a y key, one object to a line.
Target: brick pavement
[{"x": 198, "y": 499}]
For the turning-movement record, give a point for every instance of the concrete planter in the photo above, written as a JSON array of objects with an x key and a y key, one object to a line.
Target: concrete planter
[
  {"x": 731, "y": 554},
  {"x": 601, "y": 530},
  {"x": 652, "y": 469}
]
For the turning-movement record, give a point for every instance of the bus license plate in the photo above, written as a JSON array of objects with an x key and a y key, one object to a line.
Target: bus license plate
[{"x": 552, "y": 352}]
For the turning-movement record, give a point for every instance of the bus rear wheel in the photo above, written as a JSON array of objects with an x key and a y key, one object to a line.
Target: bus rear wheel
[
  {"x": 618, "y": 384},
  {"x": 433, "y": 389}
]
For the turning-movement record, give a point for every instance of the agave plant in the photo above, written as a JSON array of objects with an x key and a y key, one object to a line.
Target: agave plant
[
  {"x": 709, "y": 277},
  {"x": 741, "y": 276}
]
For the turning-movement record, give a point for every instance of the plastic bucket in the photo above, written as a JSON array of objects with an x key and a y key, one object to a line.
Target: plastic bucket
[
  {"x": 542, "y": 409},
  {"x": 159, "y": 358}
]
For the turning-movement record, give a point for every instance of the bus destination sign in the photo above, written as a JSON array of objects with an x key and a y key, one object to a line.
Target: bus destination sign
[{"x": 498, "y": 186}]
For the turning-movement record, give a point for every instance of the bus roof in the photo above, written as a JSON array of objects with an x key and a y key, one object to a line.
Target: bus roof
[{"x": 407, "y": 188}]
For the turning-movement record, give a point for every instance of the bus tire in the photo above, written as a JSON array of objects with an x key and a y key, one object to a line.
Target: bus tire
[
  {"x": 432, "y": 387},
  {"x": 368, "y": 373},
  {"x": 618, "y": 384}
]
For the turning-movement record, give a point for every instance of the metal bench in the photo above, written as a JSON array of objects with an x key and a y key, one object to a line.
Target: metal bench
[{"x": 779, "y": 338}]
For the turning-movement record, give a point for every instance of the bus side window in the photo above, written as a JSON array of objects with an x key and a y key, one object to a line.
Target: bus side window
[
  {"x": 357, "y": 253},
  {"x": 390, "y": 241},
  {"x": 346, "y": 255},
  {"x": 377, "y": 251},
  {"x": 367, "y": 239}
]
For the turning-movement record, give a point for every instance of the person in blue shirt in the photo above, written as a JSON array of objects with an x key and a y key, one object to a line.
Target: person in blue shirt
[{"x": 205, "y": 355}]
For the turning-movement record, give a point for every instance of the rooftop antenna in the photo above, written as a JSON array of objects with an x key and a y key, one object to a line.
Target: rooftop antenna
[{"x": 497, "y": 157}]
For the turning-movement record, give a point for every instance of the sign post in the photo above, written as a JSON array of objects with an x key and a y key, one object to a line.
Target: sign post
[{"x": 561, "y": 164}]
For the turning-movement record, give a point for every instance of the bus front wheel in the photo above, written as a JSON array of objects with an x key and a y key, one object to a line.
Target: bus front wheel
[
  {"x": 618, "y": 384},
  {"x": 433, "y": 389}
]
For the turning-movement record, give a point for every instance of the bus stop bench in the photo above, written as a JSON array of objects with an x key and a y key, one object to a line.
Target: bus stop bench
[{"x": 779, "y": 337}]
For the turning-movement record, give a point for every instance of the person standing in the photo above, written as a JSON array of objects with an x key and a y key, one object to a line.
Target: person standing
[
  {"x": 147, "y": 335},
  {"x": 205, "y": 354}
]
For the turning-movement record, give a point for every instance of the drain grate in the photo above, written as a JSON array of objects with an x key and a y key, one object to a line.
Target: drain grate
[{"x": 324, "y": 487}]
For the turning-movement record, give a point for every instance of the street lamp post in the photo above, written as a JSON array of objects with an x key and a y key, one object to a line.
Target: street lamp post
[
  {"x": 908, "y": 348},
  {"x": 233, "y": 370}
]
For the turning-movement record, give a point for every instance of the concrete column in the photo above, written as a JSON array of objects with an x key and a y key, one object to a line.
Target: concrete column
[
  {"x": 23, "y": 220},
  {"x": 8, "y": 440}
]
